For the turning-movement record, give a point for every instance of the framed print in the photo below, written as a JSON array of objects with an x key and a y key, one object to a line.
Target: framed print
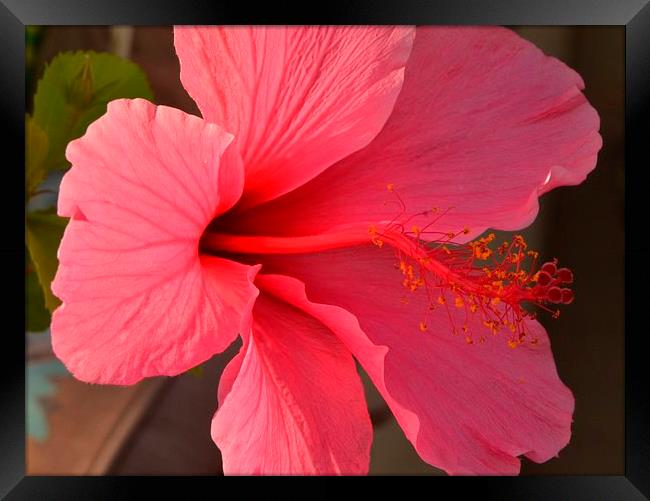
[{"x": 393, "y": 240}]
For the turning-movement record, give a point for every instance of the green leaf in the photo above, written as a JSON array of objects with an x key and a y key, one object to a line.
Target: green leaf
[
  {"x": 35, "y": 154},
  {"x": 37, "y": 316},
  {"x": 44, "y": 232},
  {"x": 74, "y": 91}
]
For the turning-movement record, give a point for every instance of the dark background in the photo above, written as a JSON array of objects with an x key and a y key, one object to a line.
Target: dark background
[{"x": 581, "y": 226}]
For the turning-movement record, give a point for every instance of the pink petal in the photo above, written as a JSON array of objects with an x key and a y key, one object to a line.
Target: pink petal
[
  {"x": 484, "y": 124},
  {"x": 291, "y": 401},
  {"x": 138, "y": 300},
  {"x": 297, "y": 99},
  {"x": 468, "y": 409}
]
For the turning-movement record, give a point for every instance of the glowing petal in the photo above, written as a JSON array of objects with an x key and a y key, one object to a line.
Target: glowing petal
[
  {"x": 482, "y": 119},
  {"x": 297, "y": 99},
  {"x": 137, "y": 299},
  {"x": 291, "y": 401}
]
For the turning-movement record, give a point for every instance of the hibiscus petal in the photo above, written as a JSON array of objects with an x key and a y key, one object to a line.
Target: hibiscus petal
[
  {"x": 468, "y": 409},
  {"x": 297, "y": 99},
  {"x": 138, "y": 300},
  {"x": 291, "y": 401},
  {"x": 484, "y": 124}
]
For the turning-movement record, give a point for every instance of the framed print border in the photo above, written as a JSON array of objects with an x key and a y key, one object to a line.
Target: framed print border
[{"x": 633, "y": 14}]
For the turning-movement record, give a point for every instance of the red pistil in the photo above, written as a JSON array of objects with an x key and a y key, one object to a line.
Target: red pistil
[{"x": 477, "y": 279}]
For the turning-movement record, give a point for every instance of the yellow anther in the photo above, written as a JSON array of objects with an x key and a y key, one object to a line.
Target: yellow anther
[
  {"x": 465, "y": 231},
  {"x": 372, "y": 230},
  {"x": 390, "y": 187},
  {"x": 482, "y": 254},
  {"x": 416, "y": 230},
  {"x": 480, "y": 249},
  {"x": 473, "y": 308},
  {"x": 442, "y": 300},
  {"x": 423, "y": 326},
  {"x": 458, "y": 302},
  {"x": 492, "y": 325},
  {"x": 519, "y": 241},
  {"x": 512, "y": 343},
  {"x": 469, "y": 340}
]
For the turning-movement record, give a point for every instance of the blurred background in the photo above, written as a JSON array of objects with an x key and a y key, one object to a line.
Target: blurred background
[{"x": 162, "y": 425}]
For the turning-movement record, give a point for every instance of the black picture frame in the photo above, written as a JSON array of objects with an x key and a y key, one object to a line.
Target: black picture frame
[{"x": 634, "y": 15}]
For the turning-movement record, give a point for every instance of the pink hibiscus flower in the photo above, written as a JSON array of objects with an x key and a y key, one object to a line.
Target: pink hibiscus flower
[{"x": 270, "y": 219}]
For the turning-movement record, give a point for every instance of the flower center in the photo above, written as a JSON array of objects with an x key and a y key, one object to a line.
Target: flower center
[{"x": 494, "y": 283}]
